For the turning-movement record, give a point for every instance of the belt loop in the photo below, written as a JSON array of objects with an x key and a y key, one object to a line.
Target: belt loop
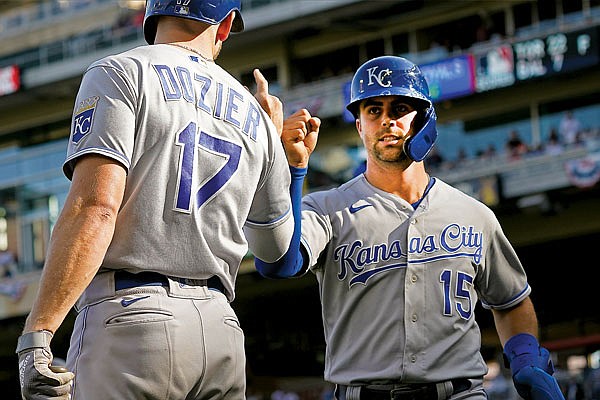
[
  {"x": 352, "y": 392},
  {"x": 343, "y": 392},
  {"x": 444, "y": 390},
  {"x": 339, "y": 393},
  {"x": 102, "y": 287},
  {"x": 181, "y": 290}
]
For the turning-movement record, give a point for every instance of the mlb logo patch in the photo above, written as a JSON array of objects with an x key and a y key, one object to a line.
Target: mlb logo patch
[
  {"x": 84, "y": 117},
  {"x": 182, "y": 10}
]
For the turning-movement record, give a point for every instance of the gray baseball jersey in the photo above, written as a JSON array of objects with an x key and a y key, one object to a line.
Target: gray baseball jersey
[
  {"x": 399, "y": 286},
  {"x": 202, "y": 158}
]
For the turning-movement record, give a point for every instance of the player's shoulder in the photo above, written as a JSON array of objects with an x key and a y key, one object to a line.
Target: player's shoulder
[
  {"x": 335, "y": 197},
  {"x": 132, "y": 59}
]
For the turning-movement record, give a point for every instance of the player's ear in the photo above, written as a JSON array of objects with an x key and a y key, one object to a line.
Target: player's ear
[
  {"x": 358, "y": 127},
  {"x": 225, "y": 27}
]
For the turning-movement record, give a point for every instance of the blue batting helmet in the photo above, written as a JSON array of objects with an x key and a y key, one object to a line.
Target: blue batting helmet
[
  {"x": 397, "y": 76},
  {"x": 208, "y": 11}
]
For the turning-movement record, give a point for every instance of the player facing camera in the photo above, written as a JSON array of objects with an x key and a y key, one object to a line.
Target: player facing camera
[
  {"x": 397, "y": 76},
  {"x": 394, "y": 228}
]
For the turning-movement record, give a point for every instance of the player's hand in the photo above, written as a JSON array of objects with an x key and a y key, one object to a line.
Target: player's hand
[
  {"x": 36, "y": 375},
  {"x": 536, "y": 384},
  {"x": 531, "y": 368},
  {"x": 299, "y": 137},
  {"x": 271, "y": 104}
]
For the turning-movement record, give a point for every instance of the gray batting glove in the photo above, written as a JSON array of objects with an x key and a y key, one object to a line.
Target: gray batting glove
[{"x": 38, "y": 381}]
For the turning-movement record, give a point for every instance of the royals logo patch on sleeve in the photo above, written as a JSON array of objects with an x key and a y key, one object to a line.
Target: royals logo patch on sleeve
[{"x": 84, "y": 117}]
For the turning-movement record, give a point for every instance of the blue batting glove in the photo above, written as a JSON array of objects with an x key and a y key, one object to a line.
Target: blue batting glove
[{"x": 531, "y": 368}]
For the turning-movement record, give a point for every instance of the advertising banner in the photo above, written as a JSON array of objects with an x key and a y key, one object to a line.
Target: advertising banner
[
  {"x": 10, "y": 80},
  {"x": 450, "y": 78}
]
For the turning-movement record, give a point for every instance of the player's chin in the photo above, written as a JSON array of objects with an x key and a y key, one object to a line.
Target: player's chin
[
  {"x": 391, "y": 154},
  {"x": 390, "y": 146}
]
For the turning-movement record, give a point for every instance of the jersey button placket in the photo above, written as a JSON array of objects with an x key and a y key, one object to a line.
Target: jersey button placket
[{"x": 414, "y": 335}]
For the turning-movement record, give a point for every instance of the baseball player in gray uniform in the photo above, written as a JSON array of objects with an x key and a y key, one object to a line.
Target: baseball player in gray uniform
[
  {"x": 402, "y": 258},
  {"x": 177, "y": 171}
]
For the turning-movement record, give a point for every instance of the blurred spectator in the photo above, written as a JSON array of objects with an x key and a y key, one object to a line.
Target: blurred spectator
[
  {"x": 462, "y": 156},
  {"x": 317, "y": 178},
  {"x": 537, "y": 150},
  {"x": 328, "y": 392},
  {"x": 496, "y": 385},
  {"x": 138, "y": 18},
  {"x": 490, "y": 152},
  {"x": 8, "y": 264},
  {"x": 283, "y": 395},
  {"x": 129, "y": 18},
  {"x": 434, "y": 159},
  {"x": 482, "y": 32},
  {"x": 569, "y": 128},
  {"x": 515, "y": 147},
  {"x": 553, "y": 147},
  {"x": 122, "y": 20},
  {"x": 591, "y": 383},
  {"x": 574, "y": 389},
  {"x": 459, "y": 161},
  {"x": 574, "y": 384}
]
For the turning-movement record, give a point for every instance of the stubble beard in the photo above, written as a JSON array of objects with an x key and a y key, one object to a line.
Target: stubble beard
[
  {"x": 390, "y": 154},
  {"x": 392, "y": 158}
]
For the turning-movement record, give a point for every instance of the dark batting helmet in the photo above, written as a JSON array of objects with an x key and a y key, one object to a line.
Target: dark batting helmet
[
  {"x": 208, "y": 11},
  {"x": 397, "y": 76}
]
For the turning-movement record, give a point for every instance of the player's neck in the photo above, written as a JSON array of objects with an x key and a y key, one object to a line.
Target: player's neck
[
  {"x": 202, "y": 44},
  {"x": 186, "y": 46},
  {"x": 409, "y": 183}
]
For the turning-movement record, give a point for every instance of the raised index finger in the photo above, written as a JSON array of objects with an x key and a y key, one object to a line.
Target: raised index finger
[{"x": 262, "y": 86}]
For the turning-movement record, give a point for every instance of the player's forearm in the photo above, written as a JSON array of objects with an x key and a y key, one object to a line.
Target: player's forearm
[
  {"x": 292, "y": 261},
  {"x": 77, "y": 248},
  {"x": 520, "y": 319}
]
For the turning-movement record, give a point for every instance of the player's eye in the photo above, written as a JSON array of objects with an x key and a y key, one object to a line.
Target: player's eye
[
  {"x": 402, "y": 109},
  {"x": 374, "y": 110}
]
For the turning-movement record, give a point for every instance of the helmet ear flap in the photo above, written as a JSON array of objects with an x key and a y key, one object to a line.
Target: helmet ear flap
[{"x": 420, "y": 144}]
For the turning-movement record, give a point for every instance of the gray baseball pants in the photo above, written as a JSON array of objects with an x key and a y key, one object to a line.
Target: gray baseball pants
[{"x": 172, "y": 341}]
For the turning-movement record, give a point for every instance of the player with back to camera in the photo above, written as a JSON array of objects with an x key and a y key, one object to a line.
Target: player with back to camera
[
  {"x": 177, "y": 170},
  {"x": 401, "y": 259}
]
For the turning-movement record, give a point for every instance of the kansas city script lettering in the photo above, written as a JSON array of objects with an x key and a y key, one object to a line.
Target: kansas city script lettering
[{"x": 453, "y": 241}]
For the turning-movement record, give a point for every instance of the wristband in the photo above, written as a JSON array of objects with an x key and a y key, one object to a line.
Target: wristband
[
  {"x": 31, "y": 340},
  {"x": 524, "y": 350}
]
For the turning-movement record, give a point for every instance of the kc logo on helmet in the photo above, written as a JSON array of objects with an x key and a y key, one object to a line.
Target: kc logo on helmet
[{"x": 383, "y": 77}]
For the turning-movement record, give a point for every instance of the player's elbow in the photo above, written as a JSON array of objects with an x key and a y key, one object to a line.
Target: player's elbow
[
  {"x": 269, "y": 242},
  {"x": 269, "y": 270},
  {"x": 290, "y": 265}
]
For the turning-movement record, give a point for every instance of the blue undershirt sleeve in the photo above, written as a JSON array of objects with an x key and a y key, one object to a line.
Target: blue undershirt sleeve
[{"x": 292, "y": 262}]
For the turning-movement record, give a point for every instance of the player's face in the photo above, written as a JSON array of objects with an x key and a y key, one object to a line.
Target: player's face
[{"x": 384, "y": 124}]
